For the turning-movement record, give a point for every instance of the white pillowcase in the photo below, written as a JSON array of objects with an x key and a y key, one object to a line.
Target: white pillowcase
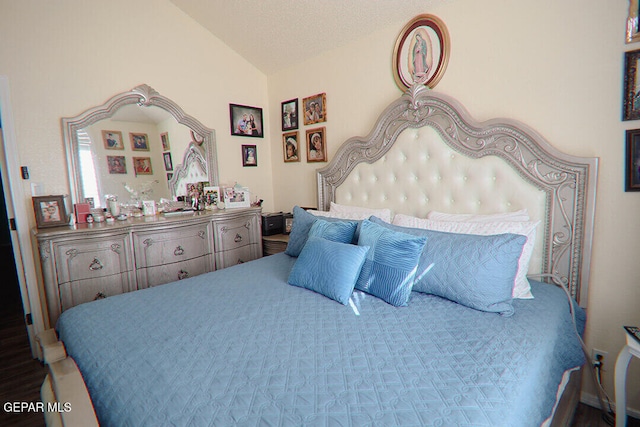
[
  {"x": 521, "y": 287},
  {"x": 521, "y": 215},
  {"x": 357, "y": 212}
]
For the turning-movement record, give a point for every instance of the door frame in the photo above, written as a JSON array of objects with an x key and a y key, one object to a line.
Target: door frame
[{"x": 19, "y": 208}]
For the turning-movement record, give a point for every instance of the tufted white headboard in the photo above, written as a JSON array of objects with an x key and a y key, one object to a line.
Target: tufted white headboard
[{"x": 426, "y": 153}]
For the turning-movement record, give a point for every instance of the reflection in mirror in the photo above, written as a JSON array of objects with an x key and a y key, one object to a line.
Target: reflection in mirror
[{"x": 128, "y": 146}]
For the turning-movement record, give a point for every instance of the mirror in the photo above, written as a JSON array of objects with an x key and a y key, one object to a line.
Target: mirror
[{"x": 130, "y": 147}]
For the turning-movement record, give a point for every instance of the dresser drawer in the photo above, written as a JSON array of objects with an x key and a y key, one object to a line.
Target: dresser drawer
[
  {"x": 237, "y": 256},
  {"x": 158, "y": 275},
  {"x": 158, "y": 248},
  {"x": 91, "y": 258},
  {"x": 235, "y": 233},
  {"x": 81, "y": 291}
]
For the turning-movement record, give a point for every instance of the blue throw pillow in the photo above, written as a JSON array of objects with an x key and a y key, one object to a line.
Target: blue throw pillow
[
  {"x": 475, "y": 271},
  {"x": 302, "y": 222},
  {"x": 390, "y": 268},
  {"x": 341, "y": 231},
  {"x": 328, "y": 268}
]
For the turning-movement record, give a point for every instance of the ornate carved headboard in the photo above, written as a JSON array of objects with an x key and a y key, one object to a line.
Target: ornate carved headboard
[{"x": 426, "y": 153}]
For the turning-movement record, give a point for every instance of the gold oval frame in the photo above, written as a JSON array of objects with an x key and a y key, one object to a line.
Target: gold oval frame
[{"x": 431, "y": 78}]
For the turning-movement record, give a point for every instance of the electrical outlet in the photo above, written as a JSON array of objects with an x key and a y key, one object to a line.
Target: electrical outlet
[{"x": 599, "y": 356}]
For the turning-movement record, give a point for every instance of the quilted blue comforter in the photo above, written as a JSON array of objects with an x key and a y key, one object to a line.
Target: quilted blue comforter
[{"x": 240, "y": 346}]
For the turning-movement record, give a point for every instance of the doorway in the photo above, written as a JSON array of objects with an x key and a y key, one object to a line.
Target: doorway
[
  {"x": 16, "y": 251},
  {"x": 10, "y": 297}
]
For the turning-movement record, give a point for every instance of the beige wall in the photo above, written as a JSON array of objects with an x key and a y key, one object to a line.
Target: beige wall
[
  {"x": 555, "y": 65},
  {"x": 65, "y": 56}
]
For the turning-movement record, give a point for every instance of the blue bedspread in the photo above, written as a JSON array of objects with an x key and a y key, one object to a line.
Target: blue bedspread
[{"x": 242, "y": 347}]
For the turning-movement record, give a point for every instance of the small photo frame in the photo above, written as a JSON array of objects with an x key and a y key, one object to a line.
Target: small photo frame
[
  {"x": 249, "y": 155},
  {"x": 246, "y": 121},
  {"x": 139, "y": 141},
  {"x": 117, "y": 164},
  {"x": 112, "y": 140},
  {"x": 237, "y": 197},
  {"x": 291, "y": 146},
  {"x": 212, "y": 196},
  {"x": 289, "y": 114},
  {"x": 195, "y": 190},
  {"x": 315, "y": 109},
  {"x": 149, "y": 207},
  {"x": 316, "y": 145},
  {"x": 142, "y": 166},
  {"x": 164, "y": 138},
  {"x": 421, "y": 53},
  {"x": 631, "y": 107},
  {"x": 50, "y": 211},
  {"x": 632, "y": 167},
  {"x": 168, "y": 164}
]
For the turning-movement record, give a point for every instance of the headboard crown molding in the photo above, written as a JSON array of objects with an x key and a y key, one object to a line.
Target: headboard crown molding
[{"x": 568, "y": 181}]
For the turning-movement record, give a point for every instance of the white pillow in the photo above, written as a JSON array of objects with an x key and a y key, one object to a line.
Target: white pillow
[
  {"x": 521, "y": 287},
  {"x": 356, "y": 216},
  {"x": 358, "y": 212},
  {"x": 521, "y": 215}
]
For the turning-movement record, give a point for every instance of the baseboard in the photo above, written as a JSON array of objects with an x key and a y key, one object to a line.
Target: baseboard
[{"x": 592, "y": 400}]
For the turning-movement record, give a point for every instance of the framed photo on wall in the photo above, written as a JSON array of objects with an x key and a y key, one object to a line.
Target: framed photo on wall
[
  {"x": 421, "y": 52},
  {"x": 249, "y": 155},
  {"x": 631, "y": 107},
  {"x": 139, "y": 141},
  {"x": 290, "y": 146},
  {"x": 112, "y": 140},
  {"x": 289, "y": 114},
  {"x": 50, "y": 211},
  {"x": 142, "y": 166},
  {"x": 316, "y": 145},
  {"x": 164, "y": 138},
  {"x": 632, "y": 167},
  {"x": 117, "y": 164},
  {"x": 246, "y": 121},
  {"x": 315, "y": 109},
  {"x": 168, "y": 164}
]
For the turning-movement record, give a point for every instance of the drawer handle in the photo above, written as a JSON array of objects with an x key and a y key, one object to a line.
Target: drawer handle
[
  {"x": 183, "y": 274},
  {"x": 95, "y": 265},
  {"x": 99, "y": 295},
  {"x": 238, "y": 238},
  {"x": 179, "y": 251}
]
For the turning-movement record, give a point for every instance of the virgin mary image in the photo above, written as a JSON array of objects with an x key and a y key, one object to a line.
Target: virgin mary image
[{"x": 420, "y": 58}]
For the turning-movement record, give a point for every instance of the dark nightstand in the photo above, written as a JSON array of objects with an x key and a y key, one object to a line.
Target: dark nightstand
[{"x": 274, "y": 244}]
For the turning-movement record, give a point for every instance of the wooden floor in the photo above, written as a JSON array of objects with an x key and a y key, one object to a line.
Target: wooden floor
[{"x": 21, "y": 376}]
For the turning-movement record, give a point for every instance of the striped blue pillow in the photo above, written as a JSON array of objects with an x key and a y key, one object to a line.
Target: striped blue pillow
[
  {"x": 390, "y": 268},
  {"x": 328, "y": 268},
  {"x": 472, "y": 270},
  {"x": 342, "y": 231}
]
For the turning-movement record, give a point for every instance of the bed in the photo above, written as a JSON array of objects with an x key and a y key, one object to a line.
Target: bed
[{"x": 288, "y": 340}]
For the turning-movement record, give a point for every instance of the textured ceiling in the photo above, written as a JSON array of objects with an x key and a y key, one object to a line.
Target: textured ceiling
[{"x": 273, "y": 34}]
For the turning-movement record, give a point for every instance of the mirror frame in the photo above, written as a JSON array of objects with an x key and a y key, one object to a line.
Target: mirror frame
[{"x": 144, "y": 96}]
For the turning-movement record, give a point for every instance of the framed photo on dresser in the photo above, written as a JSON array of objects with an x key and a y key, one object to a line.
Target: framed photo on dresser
[{"x": 50, "y": 211}]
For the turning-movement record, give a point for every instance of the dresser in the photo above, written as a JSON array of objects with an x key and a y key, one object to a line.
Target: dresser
[{"x": 85, "y": 262}]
